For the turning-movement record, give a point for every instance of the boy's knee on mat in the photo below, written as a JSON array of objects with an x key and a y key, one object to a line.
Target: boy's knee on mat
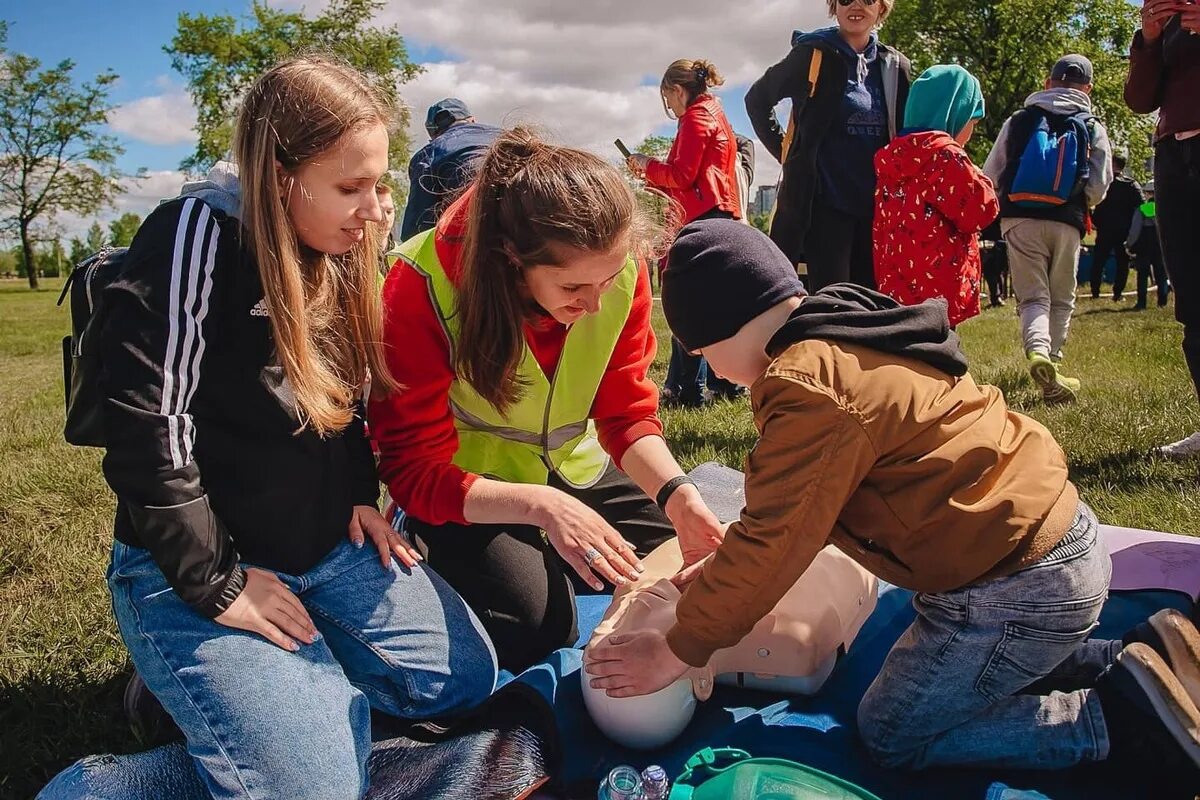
[{"x": 888, "y": 746}]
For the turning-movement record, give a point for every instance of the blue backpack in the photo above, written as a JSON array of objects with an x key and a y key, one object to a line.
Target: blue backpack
[{"x": 1054, "y": 165}]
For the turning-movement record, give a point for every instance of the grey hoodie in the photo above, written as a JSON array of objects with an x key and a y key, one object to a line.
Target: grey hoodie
[
  {"x": 220, "y": 189},
  {"x": 1061, "y": 101}
]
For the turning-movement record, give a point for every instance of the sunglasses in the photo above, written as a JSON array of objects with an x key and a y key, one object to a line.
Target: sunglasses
[{"x": 844, "y": 3}]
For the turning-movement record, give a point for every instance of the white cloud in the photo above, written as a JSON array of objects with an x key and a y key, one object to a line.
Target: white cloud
[
  {"x": 168, "y": 118},
  {"x": 587, "y": 72}
]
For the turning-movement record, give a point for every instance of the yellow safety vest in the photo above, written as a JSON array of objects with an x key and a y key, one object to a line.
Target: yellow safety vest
[{"x": 549, "y": 428}]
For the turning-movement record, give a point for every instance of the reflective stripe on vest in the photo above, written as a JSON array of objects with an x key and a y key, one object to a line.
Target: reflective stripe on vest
[{"x": 549, "y": 427}]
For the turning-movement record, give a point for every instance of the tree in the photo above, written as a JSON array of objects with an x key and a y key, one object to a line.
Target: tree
[
  {"x": 1010, "y": 45},
  {"x": 122, "y": 229},
  {"x": 96, "y": 237},
  {"x": 54, "y": 155},
  {"x": 79, "y": 250},
  {"x": 220, "y": 60}
]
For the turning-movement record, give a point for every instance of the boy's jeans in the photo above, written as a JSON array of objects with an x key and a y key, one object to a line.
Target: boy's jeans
[
  {"x": 264, "y": 722},
  {"x": 948, "y": 693}
]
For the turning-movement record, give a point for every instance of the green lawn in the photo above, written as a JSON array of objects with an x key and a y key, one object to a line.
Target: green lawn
[{"x": 62, "y": 665}]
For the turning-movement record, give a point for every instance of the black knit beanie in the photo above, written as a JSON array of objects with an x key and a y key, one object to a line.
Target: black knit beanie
[{"x": 721, "y": 274}]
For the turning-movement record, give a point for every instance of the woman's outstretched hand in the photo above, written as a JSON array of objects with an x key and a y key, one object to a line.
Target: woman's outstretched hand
[{"x": 584, "y": 540}]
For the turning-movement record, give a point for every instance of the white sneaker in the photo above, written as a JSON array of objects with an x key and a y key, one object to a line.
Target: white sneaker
[{"x": 1184, "y": 448}]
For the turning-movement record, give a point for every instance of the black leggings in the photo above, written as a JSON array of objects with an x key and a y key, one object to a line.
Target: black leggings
[{"x": 515, "y": 581}]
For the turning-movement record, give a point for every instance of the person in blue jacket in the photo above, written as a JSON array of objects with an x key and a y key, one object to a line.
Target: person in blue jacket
[{"x": 441, "y": 168}]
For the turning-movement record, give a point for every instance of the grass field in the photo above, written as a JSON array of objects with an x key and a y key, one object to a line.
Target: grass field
[{"x": 62, "y": 665}]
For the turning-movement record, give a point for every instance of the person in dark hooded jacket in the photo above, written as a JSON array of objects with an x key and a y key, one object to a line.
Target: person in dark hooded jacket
[
  {"x": 848, "y": 92},
  {"x": 931, "y": 201},
  {"x": 875, "y": 439}
]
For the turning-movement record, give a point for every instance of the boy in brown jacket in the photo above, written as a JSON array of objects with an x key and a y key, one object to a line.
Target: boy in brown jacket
[{"x": 873, "y": 437}]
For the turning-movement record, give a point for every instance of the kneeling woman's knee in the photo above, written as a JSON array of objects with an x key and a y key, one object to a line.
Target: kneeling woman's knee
[{"x": 462, "y": 681}]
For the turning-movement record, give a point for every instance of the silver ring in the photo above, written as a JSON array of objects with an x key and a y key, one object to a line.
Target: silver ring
[{"x": 591, "y": 556}]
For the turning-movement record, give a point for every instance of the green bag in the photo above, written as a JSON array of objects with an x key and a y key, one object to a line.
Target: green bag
[{"x": 746, "y": 778}]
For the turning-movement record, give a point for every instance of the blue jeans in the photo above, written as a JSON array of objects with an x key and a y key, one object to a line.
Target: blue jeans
[
  {"x": 950, "y": 691},
  {"x": 264, "y": 722}
]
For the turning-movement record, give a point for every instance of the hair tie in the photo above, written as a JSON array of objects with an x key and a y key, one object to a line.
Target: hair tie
[{"x": 701, "y": 73}]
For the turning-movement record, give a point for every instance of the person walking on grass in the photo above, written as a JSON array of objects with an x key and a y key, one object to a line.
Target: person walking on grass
[
  {"x": 931, "y": 201},
  {"x": 1111, "y": 219},
  {"x": 1143, "y": 242},
  {"x": 1050, "y": 163},
  {"x": 237, "y": 341},
  {"x": 1164, "y": 73}
]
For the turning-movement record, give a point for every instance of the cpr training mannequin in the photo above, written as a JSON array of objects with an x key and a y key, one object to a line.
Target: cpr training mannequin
[{"x": 792, "y": 650}]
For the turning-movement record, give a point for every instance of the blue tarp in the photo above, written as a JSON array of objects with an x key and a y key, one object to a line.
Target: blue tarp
[{"x": 820, "y": 730}]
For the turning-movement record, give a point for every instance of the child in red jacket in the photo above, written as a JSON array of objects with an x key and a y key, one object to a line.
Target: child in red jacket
[{"x": 930, "y": 200}]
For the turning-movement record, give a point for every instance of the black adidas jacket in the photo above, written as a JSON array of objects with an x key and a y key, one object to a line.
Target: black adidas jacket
[{"x": 201, "y": 424}]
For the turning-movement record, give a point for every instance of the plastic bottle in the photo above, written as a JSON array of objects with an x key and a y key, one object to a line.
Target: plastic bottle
[
  {"x": 623, "y": 783},
  {"x": 655, "y": 784}
]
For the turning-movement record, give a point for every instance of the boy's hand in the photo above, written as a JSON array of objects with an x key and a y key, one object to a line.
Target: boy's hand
[
  {"x": 688, "y": 574},
  {"x": 633, "y": 664},
  {"x": 699, "y": 530}
]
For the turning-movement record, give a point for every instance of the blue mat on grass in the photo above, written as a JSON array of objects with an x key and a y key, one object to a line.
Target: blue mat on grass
[{"x": 820, "y": 731}]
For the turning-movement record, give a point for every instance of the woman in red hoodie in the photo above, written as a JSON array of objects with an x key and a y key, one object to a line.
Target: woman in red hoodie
[
  {"x": 700, "y": 176},
  {"x": 931, "y": 202},
  {"x": 527, "y": 443}
]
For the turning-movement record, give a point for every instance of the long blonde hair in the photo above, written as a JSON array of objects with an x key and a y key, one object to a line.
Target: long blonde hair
[{"x": 324, "y": 310}]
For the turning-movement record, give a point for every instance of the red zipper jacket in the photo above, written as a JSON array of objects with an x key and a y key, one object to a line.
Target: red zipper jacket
[
  {"x": 930, "y": 204},
  {"x": 700, "y": 173},
  {"x": 414, "y": 428}
]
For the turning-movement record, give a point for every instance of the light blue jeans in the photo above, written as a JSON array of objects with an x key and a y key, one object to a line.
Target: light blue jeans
[
  {"x": 951, "y": 691},
  {"x": 263, "y": 722}
]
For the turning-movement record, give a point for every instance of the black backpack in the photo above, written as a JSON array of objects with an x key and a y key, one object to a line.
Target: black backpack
[{"x": 80, "y": 351}]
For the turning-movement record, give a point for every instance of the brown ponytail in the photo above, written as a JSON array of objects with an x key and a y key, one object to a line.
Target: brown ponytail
[
  {"x": 697, "y": 77},
  {"x": 532, "y": 200}
]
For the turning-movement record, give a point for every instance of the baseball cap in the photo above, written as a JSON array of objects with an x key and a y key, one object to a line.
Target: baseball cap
[
  {"x": 1072, "y": 68},
  {"x": 443, "y": 114}
]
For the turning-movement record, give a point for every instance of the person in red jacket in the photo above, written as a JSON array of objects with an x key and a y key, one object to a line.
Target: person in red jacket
[
  {"x": 700, "y": 176},
  {"x": 931, "y": 202},
  {"x": 501, "y": 322}
]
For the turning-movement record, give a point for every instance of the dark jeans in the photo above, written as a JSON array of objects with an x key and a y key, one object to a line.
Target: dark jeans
[
  {"x": 995, "y": 269},
  {"x": 1177, "y": 194},
  {"x": 686, "y": 375},
  {"x": 1110, "y": 243},
  {"x": 515, "y": 581},
  {"x": 838, "y": 249},
  {"x": 1149, "y": 259}
]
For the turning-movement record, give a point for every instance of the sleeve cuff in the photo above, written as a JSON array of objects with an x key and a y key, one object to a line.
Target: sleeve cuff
[
  {"x": 220, "y": 601},
  {"x": 687, "y": 648}
]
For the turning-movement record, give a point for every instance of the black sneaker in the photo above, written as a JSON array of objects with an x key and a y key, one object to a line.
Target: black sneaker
[
  {"x": 1148, "y": 715},
  {"x": 1176, "y": 640},
  {"x": 151, "y": 723}
]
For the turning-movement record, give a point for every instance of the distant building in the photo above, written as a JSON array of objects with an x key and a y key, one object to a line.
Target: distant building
[{"x": 764, "y": 200}]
